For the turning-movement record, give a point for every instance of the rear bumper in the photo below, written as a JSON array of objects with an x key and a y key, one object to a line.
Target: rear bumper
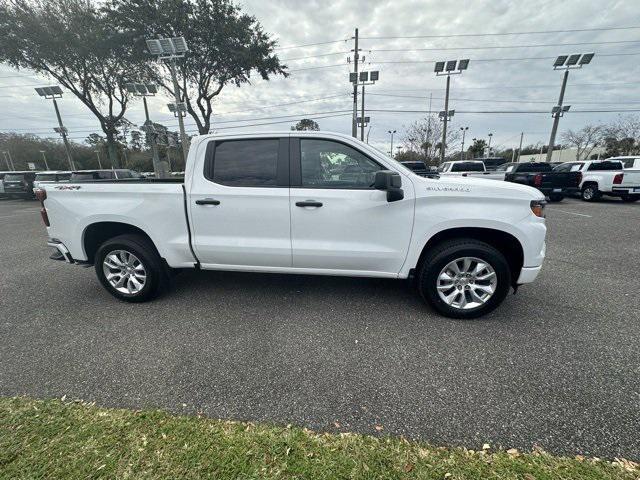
[
  {"x": 62, "y": 250},
  {"x": 631, "y": 190},
  {"x": 528, "y": 274}
]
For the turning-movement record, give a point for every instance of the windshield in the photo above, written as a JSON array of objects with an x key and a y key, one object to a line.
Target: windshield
[
  {"x": 13, "y": 177},
  {"x": 468, "y": 167}
]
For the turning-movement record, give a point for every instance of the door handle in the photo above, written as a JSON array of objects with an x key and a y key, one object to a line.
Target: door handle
[
  {"x": 309, "y": 203},
  {"x": 207, "y": 201}
]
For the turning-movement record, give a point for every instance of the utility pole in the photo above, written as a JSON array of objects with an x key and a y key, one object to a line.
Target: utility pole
[
  {"x": 556, "y": 116},
  {"x": 362, "y": 123},
  {"x": 520, "y": 147},
  {"x": 63, "y": 133},
  {"x": 356, "y": 58},
  {"x": 6, "y": 159},
  {"x": 489, "y": 146},
  {"x": 13, "y": 167},
  {"x": 44, "y": 158},
  {"x": 99, "y": 162},
  {"x": 159, "y": 168}
]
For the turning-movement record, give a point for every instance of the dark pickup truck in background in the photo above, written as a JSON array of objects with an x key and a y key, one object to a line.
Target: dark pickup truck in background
[{"x": 555, "y": 185}]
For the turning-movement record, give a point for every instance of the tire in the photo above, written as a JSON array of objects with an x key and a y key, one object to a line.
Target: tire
[
  {"x": 131, "y": 251},
  {"x": 442, "y": 256},
  {"x": 630, "y": 198},
  {"x": 556, "y": 197},
  {"x": 590, "y": 192}
]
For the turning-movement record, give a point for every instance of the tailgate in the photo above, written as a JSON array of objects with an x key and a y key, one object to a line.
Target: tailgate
[{"x": 631, "y": 178}]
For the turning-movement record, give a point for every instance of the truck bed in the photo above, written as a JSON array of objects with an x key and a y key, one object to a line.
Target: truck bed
[{"x": 157, "y": 206}]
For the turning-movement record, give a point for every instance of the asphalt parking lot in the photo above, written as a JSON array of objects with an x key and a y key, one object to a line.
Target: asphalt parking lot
[{"x": 558, "y": 365}]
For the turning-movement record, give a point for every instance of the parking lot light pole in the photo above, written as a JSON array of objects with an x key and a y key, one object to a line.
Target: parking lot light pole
[
  {"x": 52, "y": 93},
  {"x": 566, "y": 63},
  {"x": 489, "y": 145},
  {"x": 448, "y": 68},
  {"x": 9, "y": 160},
  {"x": 44, "y": 158},
  {"x": 464, "y": 132},
  {"x": 171, "y": 49},
  {"x": 99, "y": 162},
  {"x": 392, "y": 133},
  {"x": 145, "y": 90}
]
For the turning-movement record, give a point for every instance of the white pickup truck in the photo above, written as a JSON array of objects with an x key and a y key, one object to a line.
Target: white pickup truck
[
  {"x": 606, "y": 177},
  {"x": 306, "y": 203},
  {"x": 469, "y": 168}
]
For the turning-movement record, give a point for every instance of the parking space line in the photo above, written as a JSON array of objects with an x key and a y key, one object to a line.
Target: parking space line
[{"x": 572, "y": 213}]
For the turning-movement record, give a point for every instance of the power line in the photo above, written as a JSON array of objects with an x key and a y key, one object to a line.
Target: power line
[
  {"x": 318, "y": 67},
  {"x": 546, "y": 112},
  {"x": 617, "y": 42},
  {"x": 314, "y": 56},
  {"x": 289, "y": 47},
  {"x": 422, "y": 97},
  {"x": 408, "y": 62},
  {"x": 495, "y": 34}
]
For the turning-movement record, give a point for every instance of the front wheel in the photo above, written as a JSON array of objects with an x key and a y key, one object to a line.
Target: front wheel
[
  {"x": 130, "y": 269},
  {"x": 464, "y": 278},
  {"x": 556, "y": 197}
]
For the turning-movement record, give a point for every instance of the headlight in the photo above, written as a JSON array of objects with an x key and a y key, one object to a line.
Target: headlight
[{"x": 537, "y": 207}]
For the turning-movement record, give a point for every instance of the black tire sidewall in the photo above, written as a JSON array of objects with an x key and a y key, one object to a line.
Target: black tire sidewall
[
  {"x": 433, "y": 266},
  {"x": 148, "y": 258},
  {"x": 556, "y": 197}
]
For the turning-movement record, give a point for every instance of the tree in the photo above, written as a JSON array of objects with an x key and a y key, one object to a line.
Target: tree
[
  {"x": 409, "y": 156},
  {"x": 28, "y": 148},
  {"x": 73, "y": 43},
  {"x": 623, "y": 136},
  {"x": 425, "y": 136},
  {"x": 478, "y": 147},
  {"x": 225, "y": 46},
  {"x": 585, "y": 139},
  {"x": 306, "y": 124}
]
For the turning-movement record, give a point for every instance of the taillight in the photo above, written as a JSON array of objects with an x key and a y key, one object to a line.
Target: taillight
[
  {"x": 537, "y": 207},
  {"x": 537, "y": 180},
  {"x": 41, "y": 195},
  {"x": 617, "y": 180}
]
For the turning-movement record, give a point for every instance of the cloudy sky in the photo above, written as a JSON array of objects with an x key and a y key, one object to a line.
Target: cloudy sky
[{"x": 509, "y": 73}]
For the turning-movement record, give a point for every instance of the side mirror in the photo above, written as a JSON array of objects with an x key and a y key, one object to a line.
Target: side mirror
[{"x": 391, "y": 182}]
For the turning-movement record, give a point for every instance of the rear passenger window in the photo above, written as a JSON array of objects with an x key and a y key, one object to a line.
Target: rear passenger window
[
  {"x": 246, "y": 163},
  {"x": 605, "y": 166}
]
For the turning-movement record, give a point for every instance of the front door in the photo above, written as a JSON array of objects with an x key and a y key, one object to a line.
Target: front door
[
  {"x": 240, "y": 206},
  {"x": 339, "y": 222}
]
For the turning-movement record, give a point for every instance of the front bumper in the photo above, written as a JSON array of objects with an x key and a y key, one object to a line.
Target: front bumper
[
  {"x": 62, "y": 250},
  {"x": 528, "y": 274}
]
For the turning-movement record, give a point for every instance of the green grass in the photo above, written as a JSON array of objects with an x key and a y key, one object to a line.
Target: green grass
[{"x": 56, "y": 439}]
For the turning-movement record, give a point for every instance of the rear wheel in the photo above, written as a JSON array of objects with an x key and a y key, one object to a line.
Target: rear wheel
[
  {"x": 630, "y": 198},
  {"x": 590, "y": 193},
  {"x": 129, "y": 267},
  {"x": 464, "y": 278}
]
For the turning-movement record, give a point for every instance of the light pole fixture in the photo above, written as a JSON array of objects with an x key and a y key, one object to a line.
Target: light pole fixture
[
  {"x": 566, "y": 63},
  {"x": 448, "y": 68},
  {"x": 464, "y": 132},
  {"x": 362, "y": 79},
  {"x": 489, "y": 146},
  {"x": 392, "y": 133},
  {"x": 145, "y": 90},
  {"x": 51, "y": 93},
  {"x": 169, "y": 50},
  {"x": 44, "y": 158}
]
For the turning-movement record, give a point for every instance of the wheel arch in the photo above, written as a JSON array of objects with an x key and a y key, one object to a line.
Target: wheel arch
[
  {"x": 97, "y": 233},
  {"x": 503, "y": 241}
]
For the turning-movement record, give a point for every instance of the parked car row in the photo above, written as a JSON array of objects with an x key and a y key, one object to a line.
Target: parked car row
[
  {"x": 590, "y": 179},
  {"x": 23, "y": 184}
]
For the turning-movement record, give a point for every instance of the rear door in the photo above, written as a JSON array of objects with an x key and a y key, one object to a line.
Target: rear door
[
  {"x": 240, "y": 206},
  {"x": 339, "y": 222}
]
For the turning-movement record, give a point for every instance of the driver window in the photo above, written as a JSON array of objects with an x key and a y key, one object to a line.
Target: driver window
[{"x": 329, "y": 164}]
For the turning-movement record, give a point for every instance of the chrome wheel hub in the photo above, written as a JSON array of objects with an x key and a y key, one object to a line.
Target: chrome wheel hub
[
  {"x": 466, "y": 283},
  {"x": 124, "y": 271}
]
